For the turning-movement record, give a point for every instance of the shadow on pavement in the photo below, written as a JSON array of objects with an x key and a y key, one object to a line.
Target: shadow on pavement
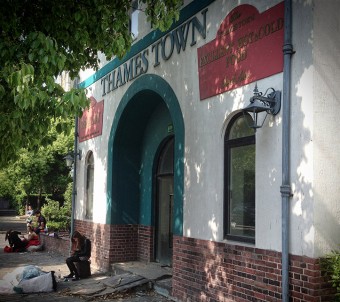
[{"x": 124, "y": 287}]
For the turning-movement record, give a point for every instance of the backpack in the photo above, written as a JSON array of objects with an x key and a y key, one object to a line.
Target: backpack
[{"x": 88, "y": 247}]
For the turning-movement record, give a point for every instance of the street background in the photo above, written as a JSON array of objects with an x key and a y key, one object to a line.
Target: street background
[{"x": 95, "y": 288}]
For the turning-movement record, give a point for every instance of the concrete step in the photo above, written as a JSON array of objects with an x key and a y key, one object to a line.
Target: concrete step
[
  {"x": 159, "y": 276},
  {"x": 163, "y": 287},
  {"x": 150, "y": 270}
]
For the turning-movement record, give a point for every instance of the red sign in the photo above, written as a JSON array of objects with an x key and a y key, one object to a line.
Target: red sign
[
  {"x": 247, "y": 47},
  {"x": 91, "y": 123}
]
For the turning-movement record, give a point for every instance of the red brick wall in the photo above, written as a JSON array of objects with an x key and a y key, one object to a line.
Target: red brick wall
[
  {"x": 99, "y": 234},
  {"x": 124, "y": 242},
  {"x": 214, "y": 271},
  {"x": 56, "y": 245},
  {"x": 117, "y": 243},
  {"x": 145, "y": 243}
]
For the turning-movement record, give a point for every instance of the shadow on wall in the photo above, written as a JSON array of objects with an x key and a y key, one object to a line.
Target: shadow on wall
[
  {"x": 305, "y": 200},
  {"x": 312, "y": 231}
]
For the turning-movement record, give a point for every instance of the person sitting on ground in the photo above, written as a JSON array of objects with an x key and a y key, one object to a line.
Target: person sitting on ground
[
  {"x": 32, "y": 241},
  {"x": 41, "y": 222},
  {"x": 16, "y": 244},
  {"x": 81, "y": 251}
]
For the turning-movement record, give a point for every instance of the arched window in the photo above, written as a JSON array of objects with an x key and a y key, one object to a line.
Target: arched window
[
  {"x": 89, "y": 186},
  {"x": 239, "y": 171}
]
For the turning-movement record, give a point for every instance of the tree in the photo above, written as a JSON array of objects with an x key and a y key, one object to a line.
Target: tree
[
  {"x": 40, "y": 172},
  {"x": 40, "y": 39}
]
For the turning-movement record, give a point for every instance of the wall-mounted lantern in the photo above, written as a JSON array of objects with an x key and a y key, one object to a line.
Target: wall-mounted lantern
[
  {"x": 262, "y": 104},
  {"x": 70, "y": 158}
]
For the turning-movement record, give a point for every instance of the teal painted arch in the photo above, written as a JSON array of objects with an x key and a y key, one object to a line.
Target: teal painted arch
[{"x": 157, "y": 87}]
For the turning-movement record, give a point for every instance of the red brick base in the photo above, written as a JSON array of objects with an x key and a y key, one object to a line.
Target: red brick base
[
  {"x": 117, "y": 243},
  {"x": 214, "y": 271},
  {"x": 211, "y": 271}
]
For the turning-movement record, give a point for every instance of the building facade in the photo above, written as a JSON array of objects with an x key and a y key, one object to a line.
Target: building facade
[{"x": 171, "y": 171}]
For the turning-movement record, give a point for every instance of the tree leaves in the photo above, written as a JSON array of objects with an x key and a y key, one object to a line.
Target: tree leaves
[
  {"x": 42, "y": 170},
  {"x": 41, "y": 39}
]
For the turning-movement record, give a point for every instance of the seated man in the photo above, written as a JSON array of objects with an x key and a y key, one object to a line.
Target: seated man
[
  {"x": 81, "y": 251},
  {"x": 41, "y": 222}
]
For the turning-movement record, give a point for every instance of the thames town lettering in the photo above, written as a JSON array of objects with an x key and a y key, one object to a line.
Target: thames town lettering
[{"x": 161, "y": 50}]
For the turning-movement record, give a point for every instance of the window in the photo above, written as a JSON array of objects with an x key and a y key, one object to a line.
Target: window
[
  {"x": 89, "y": 186},
  {"x": 239, "y": 171},
  {"x": 133, "y": 22}
]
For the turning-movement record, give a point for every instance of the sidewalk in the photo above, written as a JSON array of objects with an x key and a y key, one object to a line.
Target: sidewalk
[{"x": 99, "y": 286}]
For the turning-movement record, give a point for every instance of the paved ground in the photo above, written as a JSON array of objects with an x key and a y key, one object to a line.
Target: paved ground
[{"x": 96, "y": 288}]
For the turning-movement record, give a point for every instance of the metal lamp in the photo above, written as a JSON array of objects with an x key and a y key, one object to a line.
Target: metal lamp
[
  {"x": 263, "y": 104},
  {"x": 70, "y": 158}
]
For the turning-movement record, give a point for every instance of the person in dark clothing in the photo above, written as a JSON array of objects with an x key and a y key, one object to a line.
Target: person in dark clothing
[
  {"x": 81, "y": 251},
  {"x": 41, "y": 222},
  {"x": 15, "y": 242}
]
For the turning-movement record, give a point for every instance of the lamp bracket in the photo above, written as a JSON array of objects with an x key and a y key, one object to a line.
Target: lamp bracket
[
  {"x": 272, "y": 100},
  {"x": 269, "y": 102},
  {"x": 78, "y": 154}
]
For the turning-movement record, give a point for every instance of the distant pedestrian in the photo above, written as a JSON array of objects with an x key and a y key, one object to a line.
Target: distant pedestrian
[
  {"x": 28, "y": 215},
  {"x": 29, "y": 211}
]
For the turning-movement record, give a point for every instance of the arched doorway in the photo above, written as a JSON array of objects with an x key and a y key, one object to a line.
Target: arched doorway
[
  {"x": 164, "y": 203},
  {"x": 141, "y": 124}
]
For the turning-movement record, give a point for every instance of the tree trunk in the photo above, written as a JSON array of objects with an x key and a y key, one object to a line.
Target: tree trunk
[{"x": 39, "y": 200}]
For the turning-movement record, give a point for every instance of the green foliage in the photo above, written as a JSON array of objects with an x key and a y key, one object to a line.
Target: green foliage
[
  {"x": 58, "y": 217},
  {"x": 68, "y": 196},
  {"x": 6, "y": 186},
  {"x": 39, "y": 173},
  {"x": 331, "y": 266},
  {"x": 38, "y": 41},
  {"x": 162, "y": 13}
]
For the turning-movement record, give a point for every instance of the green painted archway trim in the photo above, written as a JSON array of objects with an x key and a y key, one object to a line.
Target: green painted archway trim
[{"x": 159, "y": 86}]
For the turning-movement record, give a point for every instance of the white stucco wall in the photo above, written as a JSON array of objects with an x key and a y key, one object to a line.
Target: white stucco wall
[
  {"x": 326, "y": 100},
  {"x": 302, "y": 203},
  {"x": 315, "y": 210}
]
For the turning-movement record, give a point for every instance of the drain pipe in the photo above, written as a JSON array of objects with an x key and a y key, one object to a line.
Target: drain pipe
[
  {"x": 74, "y": 187},
  {"x": 285, "y": 188}
]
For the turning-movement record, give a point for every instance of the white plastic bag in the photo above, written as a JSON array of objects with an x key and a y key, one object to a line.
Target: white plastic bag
[{"x": 42, "y": 283}]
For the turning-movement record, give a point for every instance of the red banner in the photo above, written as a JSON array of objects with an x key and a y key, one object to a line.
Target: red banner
[
  {"x": 248, "y": 47},
  {"x": 91, "y": 123}
]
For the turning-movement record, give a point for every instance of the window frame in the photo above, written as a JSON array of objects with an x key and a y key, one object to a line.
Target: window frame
[
  {"x": 87, "y": 164},
  {"x": 229, "y": 144}
]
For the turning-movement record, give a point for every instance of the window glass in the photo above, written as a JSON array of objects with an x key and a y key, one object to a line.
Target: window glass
[
  {"x": 240, "y": 127},
  {"x": 133, "y": 22},
  {"x": 89, "y": 186},
  {"x": 242, "y": 191},
  {"x": 240, "y": 180}
]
